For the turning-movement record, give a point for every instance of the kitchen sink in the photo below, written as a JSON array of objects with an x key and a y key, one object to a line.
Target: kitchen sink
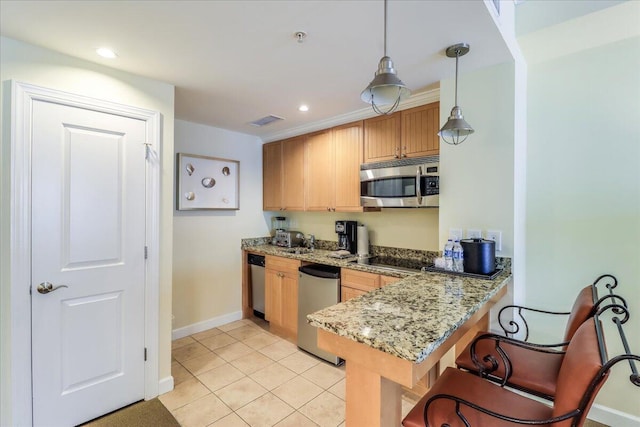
[{"x": 296, "y": 251}]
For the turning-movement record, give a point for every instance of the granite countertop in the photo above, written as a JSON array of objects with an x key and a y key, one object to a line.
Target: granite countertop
[
  {"x": 321, "y": 256},
  {"x": 410, "y": 318}
]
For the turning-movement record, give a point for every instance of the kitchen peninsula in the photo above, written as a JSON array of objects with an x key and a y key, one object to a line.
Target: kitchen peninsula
[{"x": 394, "y": 335}]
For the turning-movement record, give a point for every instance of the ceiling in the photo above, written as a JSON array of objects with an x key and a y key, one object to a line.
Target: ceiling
[{"x": 233, "y": 62}]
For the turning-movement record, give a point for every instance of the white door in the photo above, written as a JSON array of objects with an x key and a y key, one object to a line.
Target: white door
[{"x": 88, "y": 246}]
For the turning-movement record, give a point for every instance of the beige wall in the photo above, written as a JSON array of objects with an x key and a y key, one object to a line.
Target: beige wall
[
  {"x": 397, "y": 228},
  {"x": 583, "y": 191},
  {"x": 476, "y": 178},
  {"x": 42, "y": 67},
  {"x": 207, "y": 264}
]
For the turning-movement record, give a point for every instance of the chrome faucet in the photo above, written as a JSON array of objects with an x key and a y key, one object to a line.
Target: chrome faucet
[{"x": 311, "y": 241}]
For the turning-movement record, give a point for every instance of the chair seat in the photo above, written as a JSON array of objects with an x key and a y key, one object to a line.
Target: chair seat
[
  {"x": 532, "y": 371},
  {"x": 481, "y": 392}
]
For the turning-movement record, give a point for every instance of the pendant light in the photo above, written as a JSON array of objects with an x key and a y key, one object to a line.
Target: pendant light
[
  {"x": 456, "y": 130},
  {"x": 385, "y": 88}
]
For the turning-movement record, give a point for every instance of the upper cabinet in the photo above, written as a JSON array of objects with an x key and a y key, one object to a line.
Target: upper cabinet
[
  {"x": 382, "y": 138},
  {"x": 407, "y": 133},
  {"x": 283, "y": 175},
  {"x": 348, "y": 143},
  {"x": 333, "y": 169},
  {"x": 419, "y": 132},
  {"x": 272, "y": 176},
  {"x": 320, "y": 171}
]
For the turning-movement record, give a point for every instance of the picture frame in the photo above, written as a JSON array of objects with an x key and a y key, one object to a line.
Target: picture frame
[{"x": 207, "y": 183}]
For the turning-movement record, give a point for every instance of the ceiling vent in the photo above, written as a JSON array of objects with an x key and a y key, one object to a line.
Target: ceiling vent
[{"x": 266, "y": 120}]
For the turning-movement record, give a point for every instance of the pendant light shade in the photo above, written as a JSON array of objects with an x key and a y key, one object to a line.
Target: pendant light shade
[
  {"x": 386, "y": 89},
  {"x": 456, "y": 130}
]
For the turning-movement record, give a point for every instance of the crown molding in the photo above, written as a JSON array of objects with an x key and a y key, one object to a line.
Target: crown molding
[{"x": 416, "y": 100}]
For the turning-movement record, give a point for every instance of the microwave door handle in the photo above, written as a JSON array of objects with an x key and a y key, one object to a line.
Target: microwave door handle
[{"x": 418, "y": 192}]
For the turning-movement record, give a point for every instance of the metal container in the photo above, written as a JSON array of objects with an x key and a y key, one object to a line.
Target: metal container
[{"x": 479, "y": 256}]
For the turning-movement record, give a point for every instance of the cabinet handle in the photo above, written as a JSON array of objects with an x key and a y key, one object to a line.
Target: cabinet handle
[
  {"x": 405, "y": 152},
  {"x": 397, "y": 150},
  {"x": 328, "y": 209}
]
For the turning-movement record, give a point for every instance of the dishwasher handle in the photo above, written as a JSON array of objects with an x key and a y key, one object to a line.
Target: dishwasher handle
[{"x": 321, "y": 270}]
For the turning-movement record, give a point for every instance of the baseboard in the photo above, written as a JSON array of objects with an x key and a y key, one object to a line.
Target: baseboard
[
  {"x": 165, "y": 385},
  {"x": 205, "y": 324},
  {"x": 612, "y": 417}
]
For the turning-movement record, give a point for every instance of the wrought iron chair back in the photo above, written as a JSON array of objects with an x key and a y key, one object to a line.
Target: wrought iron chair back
[{"x": 584, "y": 370}]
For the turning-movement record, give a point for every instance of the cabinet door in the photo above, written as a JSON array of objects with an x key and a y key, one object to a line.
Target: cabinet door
[
  {"x": 347, "y": 293},
  {"x": 320, "y": 171},
  {"x": 293, "y": 174},
  {"x": 273, "y": 296},
  {"x": 382, "y": 138},
  {"x": 272, "y": 176},
  {"x": 347, "y": 141},
  {"x": 419, "y": 132},
  {"x": 359, "y": 279},
  {"x": 387, "y": 280},
  {"x": 290, "y": 303}
]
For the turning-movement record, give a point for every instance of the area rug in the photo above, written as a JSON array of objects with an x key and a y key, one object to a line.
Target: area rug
[{"x": 150, "y": 413}]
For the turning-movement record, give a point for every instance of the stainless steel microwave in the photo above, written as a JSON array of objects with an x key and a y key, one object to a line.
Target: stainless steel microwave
[{"x": 406, "y": 183}]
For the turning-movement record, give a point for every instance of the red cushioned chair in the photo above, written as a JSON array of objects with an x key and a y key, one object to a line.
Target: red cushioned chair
[
  {"x": 460, "y": 398},
  {"x": 530, "y": 367}
]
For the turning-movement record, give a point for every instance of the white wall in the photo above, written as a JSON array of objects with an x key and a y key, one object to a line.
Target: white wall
[
  {"x": 42, "y": 67},
  {"x": 583, "y": 191},
  {"x": 207, "y": 263}
]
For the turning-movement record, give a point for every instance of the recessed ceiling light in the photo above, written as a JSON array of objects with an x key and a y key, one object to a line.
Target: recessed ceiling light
[
  {"x": 303, "y": 108},
  {"x": 105, "y": 52}
]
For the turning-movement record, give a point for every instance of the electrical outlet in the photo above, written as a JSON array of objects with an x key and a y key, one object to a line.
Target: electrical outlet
[
  {"x": 496, "y": 236},
  {"x": 473, "y": 233},
  {"x": 455, "y": 234}
]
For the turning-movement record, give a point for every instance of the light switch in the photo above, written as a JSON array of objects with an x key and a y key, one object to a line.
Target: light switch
[{"x": 455, "y": 234}]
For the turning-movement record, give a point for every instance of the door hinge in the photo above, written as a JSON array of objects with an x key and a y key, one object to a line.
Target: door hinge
[
  {"x": 146, "y": 252},
  {"x": 145, "y": 354},
  {"x": 147, "y": 149}
]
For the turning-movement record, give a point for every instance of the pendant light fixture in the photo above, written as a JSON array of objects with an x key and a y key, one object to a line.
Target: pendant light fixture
[
  {"x": 385, "y": 88},
  {"x": 456, "y": 130}
]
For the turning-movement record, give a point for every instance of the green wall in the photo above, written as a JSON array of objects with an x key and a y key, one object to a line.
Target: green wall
[{"x": 583, "y": 188}]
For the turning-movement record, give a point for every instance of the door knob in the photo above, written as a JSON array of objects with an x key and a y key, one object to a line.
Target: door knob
[{"x": 46, "y": 287}]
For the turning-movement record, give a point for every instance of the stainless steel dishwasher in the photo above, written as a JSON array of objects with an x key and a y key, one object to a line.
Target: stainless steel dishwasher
[
  {"x": 318, "y": 288},
  {"x": 256, "y": 262}
]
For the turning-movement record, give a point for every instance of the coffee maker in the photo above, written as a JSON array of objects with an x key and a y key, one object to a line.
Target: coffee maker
[{"x": 347, "y": 235}]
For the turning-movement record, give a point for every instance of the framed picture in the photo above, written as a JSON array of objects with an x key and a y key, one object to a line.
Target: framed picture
[{"x": 207, "y": 183}]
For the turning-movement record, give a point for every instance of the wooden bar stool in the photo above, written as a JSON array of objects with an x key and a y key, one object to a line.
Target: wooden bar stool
[{"x": 531, "y": 367}]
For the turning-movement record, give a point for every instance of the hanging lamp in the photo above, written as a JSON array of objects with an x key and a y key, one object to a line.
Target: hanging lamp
[
  {"x": 385, "y": 88},
  {"x": 456, "y": 130}
]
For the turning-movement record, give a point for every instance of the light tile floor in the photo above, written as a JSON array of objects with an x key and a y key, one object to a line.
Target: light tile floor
[{"x": 239, "y": 374}]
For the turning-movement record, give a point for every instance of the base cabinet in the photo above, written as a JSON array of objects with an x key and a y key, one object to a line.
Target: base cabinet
[
  {"x": 354, "y": 283},
  {"x": 281, "y": 294}
]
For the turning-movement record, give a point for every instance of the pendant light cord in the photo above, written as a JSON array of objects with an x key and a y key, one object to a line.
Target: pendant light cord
[
  {"x": 457, "y": 56},
  {"x": 385, "y": 28}
]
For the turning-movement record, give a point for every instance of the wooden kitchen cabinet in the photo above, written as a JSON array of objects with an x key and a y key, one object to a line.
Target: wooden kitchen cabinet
[
  {"x": 387, "y": 280},
  {"x": 281, "y": 294},
  {"x": 272, "y": 176},
  {"x": 348, "y": 141},
  {"x": 419, "y": 131},
  {"x": 293, "y": 173},
  {"x": 382, "y": 138},
  {"x": 283, "y": 175},
  {"x": 354, "y": 283},
  {"x": 333, "y": 169},
  {"x": 320, "y": 170},
  {"x": 405, "y": 134}
]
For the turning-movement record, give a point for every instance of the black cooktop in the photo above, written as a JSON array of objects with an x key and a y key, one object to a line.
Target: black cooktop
[{"x": 391, "y": 263}]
